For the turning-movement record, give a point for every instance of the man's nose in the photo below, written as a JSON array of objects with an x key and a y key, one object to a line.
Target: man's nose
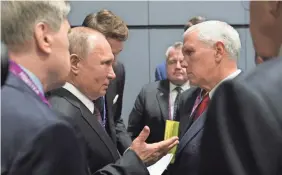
[
  {"x": 112, "y": 74},
  {"x": 178, "y": 65}
]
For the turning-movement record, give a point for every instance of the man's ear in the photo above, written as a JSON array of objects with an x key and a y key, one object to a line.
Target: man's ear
[
  {"x": 43, "y": 37},
  {"x": 75, "y": 63},
  {"x": 219, "y": 51}
]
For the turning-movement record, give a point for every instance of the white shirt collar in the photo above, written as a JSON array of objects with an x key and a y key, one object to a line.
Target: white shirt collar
[
  {"x": 86, "y": 101},
  {"x": 230, "y": 77},
  {"x": 184, "y": 87}
]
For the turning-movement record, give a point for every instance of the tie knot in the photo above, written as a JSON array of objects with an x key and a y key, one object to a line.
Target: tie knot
[{"x": 178, "y": 89}]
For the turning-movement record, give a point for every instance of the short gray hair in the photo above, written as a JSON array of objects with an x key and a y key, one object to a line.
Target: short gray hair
[
  {"x": 80, "y": 41},
  {"x": 176, "y": 45},
  {"x": 19, "y": 17},
  {"x": 211, "y": 32}
]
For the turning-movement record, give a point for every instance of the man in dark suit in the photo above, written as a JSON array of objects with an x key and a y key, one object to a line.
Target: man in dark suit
[
  {"x": 116, "y": 32},
  {"x": 91, "y": 72},
  {"x": 157, "y": 101},
  {"x": 33, "y": 139},
  {"x": 244, "y": 126},
  {"x": 209, "y": 60}
]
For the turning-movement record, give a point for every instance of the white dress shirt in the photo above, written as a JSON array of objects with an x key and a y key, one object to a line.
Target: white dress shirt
[
  {"x": 230, "y": 77},
  {"x": 85, "y": 100},
  {"x": 173, "y": 94}
]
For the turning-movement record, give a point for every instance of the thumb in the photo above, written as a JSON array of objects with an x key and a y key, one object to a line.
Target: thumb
[{"x": 144, "y": 134}]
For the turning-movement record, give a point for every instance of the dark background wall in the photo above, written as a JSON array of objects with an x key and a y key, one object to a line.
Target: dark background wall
[{"x": 155, "y": 25}]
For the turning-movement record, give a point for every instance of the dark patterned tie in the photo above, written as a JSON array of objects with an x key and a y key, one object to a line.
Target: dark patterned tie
[
  {"x": 178, "y": 89},
  {"x": 97, "y": 114},
  {"x": 99, "y": 103}
]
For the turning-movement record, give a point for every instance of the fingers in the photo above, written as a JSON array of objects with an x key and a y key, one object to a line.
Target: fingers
[
  {"x": 144, "y": 134},
  {"x": 166, "y": 145}
]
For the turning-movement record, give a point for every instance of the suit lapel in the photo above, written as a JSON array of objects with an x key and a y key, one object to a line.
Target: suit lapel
[
  {"x": 90, "y": 119},
  {"x": 185, "y": 119},
  {"x": 163, "y": 98},
  {"x": 192, "y": 131}
]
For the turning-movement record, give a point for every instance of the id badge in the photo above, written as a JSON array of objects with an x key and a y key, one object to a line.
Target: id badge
[{"x": 171, "y": 129}]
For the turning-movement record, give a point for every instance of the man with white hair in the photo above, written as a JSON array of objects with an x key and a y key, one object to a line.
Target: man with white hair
[
  {"x": 157, "y": 101},
  {"x": 210, "y": 50},
  {"x": 33, "y": 140},
  {"x": 243, "y": 131}
]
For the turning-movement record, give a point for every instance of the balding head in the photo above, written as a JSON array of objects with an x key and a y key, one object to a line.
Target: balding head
[
  {"x": 83, "y": 40},
  {"x": 91, "y": 62}
]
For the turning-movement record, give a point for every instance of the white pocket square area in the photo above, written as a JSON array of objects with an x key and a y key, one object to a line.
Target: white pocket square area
[{"x": 115, "y": 99}]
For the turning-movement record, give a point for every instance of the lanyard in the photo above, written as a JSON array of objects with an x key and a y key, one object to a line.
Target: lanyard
[
  {"x": 17, "y": 71},
  {"x": 104, "y": 119},
  {"x": 198, "y": 101}
]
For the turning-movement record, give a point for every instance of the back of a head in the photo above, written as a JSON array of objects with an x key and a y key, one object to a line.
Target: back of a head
[
  {"x": 108, "y": 24},
  {"x": 18, "y": 19},
  {"x": 193, "y": 21},
  {"x": 211, "y": 32},
  {"x": 82, "y": 40}
]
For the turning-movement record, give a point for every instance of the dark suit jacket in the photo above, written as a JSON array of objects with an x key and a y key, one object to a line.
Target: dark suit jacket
[
  {"x": 243, "y": 131},
  {"x": 33, "y": 139},
  {"x": 99, "y": 147},
  {"x": 116, "y": 127},
  {"x": 187, "y": 153},
  {"x": 151, "y": 109},
  {"x": 160, "y": 72}
]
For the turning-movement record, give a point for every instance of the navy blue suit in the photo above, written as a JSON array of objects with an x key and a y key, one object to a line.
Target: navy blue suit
[
  {"x": 34, "y": 141},
  {"x": 160, "y": 72}
]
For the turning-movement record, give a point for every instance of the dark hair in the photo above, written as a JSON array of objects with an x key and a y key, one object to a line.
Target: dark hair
[{"x": 193, "y": 21}]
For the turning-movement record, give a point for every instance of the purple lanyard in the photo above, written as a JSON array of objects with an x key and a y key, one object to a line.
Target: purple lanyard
[
  {"x": 17, "y": 71},
  {"x": 198, "y": 101},
  {"x": 104, "y": 113}
]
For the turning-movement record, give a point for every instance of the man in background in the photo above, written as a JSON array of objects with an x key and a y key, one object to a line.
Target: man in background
[
  {"x": 160, "y": 71},
  {"x": 157, "y": 101},
  {"x": 33, "y": 139},
  {"x": 243, "y": 130},
  {"x": 110, "y": 106}
]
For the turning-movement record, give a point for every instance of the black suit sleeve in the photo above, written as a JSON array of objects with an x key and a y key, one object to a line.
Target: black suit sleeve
[
  {"x": 55, "y": 151},
  {"x": 236, "y": 136},
  {"x": 128, "y": 164},
  {"x": 136, "y": 121},
  {"x": 123, "y": 138}
]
